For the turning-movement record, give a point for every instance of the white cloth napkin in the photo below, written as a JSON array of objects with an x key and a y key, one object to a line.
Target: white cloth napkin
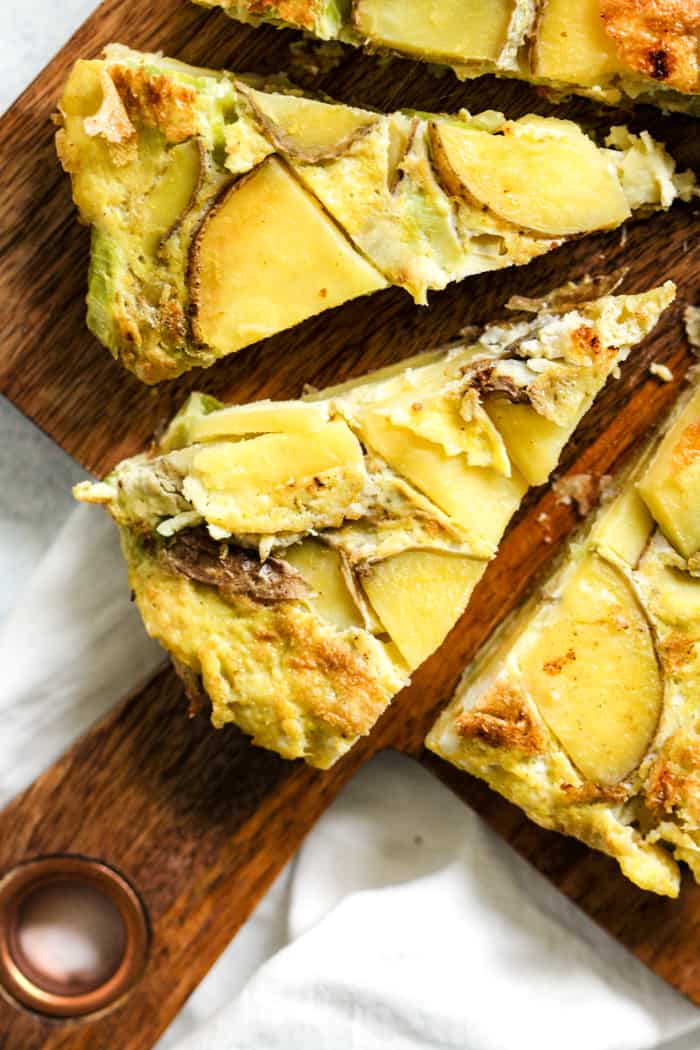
[
  {"x": 413, "y": 926},
  {"x": 407, "y": 923}
]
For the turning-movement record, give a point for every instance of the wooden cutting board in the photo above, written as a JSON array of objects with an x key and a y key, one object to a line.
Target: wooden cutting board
[{"x": 198, "y": 820}]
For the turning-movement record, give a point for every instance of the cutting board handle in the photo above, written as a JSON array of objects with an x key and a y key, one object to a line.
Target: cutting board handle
[{"x": 198, "y": 822}]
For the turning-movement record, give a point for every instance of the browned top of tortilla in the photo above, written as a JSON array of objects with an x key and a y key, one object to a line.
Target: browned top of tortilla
[
  {"x": 194, "y": 688},
  {"x": 157, "y": 101},
  {"x": 657, "y": 38},
  {"x": 505, "y": 719},
  {"x": 232, "y": 570},
  {"x": 574, "y": 293},
  {"x": 673, "y": 783}
]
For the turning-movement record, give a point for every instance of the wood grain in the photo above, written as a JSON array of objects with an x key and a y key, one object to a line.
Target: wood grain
[{"x": 200, "y": 821}]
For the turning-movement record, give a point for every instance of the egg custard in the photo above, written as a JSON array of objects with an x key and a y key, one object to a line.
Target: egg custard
[
  {"x": 610, "y": 50},
  {"x": 299, "y": 559},
  {"x": 222, "y": 213},
  {"x": 583, "y": 709}
]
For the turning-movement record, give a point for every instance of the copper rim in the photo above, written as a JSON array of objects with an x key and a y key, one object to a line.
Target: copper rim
[{"x": 23, "y": 880}]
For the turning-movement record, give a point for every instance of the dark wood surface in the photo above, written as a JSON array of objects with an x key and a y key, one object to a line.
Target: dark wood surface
[{"x": 200, "y": 821}]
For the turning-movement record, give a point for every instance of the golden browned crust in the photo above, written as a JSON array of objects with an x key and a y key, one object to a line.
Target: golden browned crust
[
  {"x": 506, "y": 719},
  {"x": 586, "y": 340},
  {"x": 319, "y": 660},
  {"x": 588, "y": 344},
  {"x": 557, "y": 665},
  {"x": 129, "y": 331},
  {"x": 156, "y": 101},
  {"x": 687, "y": 449},
  {"x": 674, "y": 778},
  {"x": 298, "y": 12},
  {"x": 111, "y": 120},
  {"x": 155, "y": 365},
  {"x": 676, "y": 652},
  {"x": 590, "y": 793},
  {"x": 657, "y": 38},
  {"x": 172, "y": 316}
]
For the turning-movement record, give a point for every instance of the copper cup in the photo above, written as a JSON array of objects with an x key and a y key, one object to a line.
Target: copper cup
[{"x": 24, "y": 980}]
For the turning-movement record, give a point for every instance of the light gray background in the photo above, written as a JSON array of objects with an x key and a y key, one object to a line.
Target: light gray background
[{"x": 35, "y": 475}]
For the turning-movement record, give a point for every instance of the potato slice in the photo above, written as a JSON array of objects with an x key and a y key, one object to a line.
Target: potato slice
[
  {"x": 540, "y": 174},
  {"x": 441, "y": 30},
  {"x": 278, "y": 482},
  {"x": 173, "y": 193},
  {"x": 321, "y": 568},
  {"x": 419, "y": 596},
  {"x": 593, "y": 674},
  {"x": 304, "y": 128},
  {"x": 479, "y": 499},
  {"x": 460, "y": 428},
  {"x": 258, "y": 417},
  {"x": 571, "y": 44},
  {"x": 384, "y": 193},
  {"x": 623, "y": 531},
  {"x": 671, "y": 483},
  {"x": 673, "y": 598},
  {"x": 266, "y": 258},
  {"x": 534, "y": 443}
]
